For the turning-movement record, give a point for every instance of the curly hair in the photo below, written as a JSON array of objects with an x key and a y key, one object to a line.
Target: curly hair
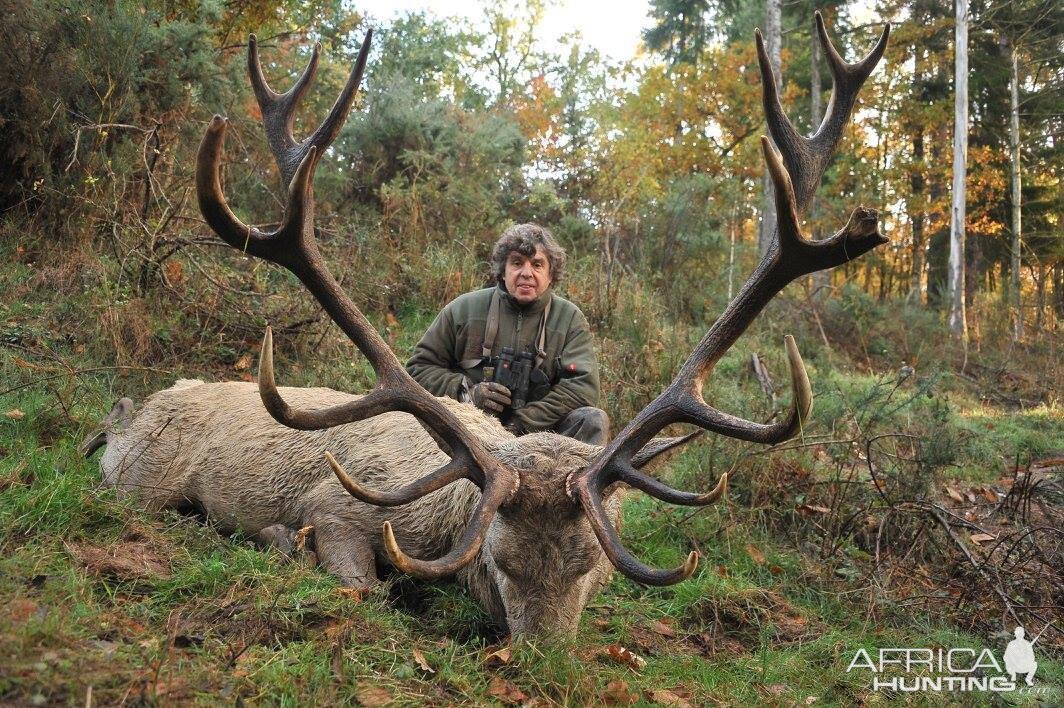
[{"x": 524, "y": 238}]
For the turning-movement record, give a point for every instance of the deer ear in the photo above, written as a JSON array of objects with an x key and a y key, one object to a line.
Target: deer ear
[{"x": 656, "y": 449}]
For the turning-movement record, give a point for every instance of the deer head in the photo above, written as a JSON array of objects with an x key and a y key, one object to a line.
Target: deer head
[{"x": 547, "y": 517}]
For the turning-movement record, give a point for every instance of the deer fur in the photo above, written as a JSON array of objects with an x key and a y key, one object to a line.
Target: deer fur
[{"x": 214, "y": 448}]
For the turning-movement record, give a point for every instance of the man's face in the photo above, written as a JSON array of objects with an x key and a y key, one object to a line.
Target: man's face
[{"x": 527, "y": 277}]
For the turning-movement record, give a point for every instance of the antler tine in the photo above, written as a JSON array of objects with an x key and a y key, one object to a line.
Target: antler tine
[
  {"x": 808, "y": 158},
  {"x": 795, "y": 175},
  {"x": 293, "y": 246},
  {"x": 278, "y": 110},
  {"x": 330, "y": 127}
]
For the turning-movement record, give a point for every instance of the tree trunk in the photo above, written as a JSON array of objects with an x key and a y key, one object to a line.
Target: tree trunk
[
  {"x": 957, "y": 320},
  {"x": 917, "y": 215},
  {"x": 1017, "y": 197},
  {"x": 773, "y": 40},
  {"x": 916, "y": 218}
]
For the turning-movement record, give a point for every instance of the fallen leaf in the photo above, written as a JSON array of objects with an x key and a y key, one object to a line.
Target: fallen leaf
[
  {"x": 15, "y": 414},
  {"x": 617, "y": 693},
  {"x": 626, "y": 657},
  {"x": 419, "y": 659},
  {"x": 352, "y": 593},
  {"x": 498, "y": 657},
  {"x": 978, "y": 538},
  {"x": 505, "y": 691},
  {"x": 722, "y": 571},
  {"x": 174, "y": 272},
  {"x": 390, "y": 319},
  {"x": 776, "y": 689},
  {"x": 301, "y": 538},
  {"x": 807, "y": 509},
  {"x": 755, "y": 554},
  {"x": 373, "y": 696},
  {"x": 243, "y": 363},
  {"x": 990, "y": 495},
  {"x": 810, "y": 700},
  {"x": 954, "y": 494},
  {"x": 662, "y": 628},
  {"x": 668, "y": 698},
  {"x": 775, "y": 570}
]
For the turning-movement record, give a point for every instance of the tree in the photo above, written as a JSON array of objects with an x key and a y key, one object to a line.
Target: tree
[
  {"x": 957, "y": 320},
  {"x": 680, "y": 31}
]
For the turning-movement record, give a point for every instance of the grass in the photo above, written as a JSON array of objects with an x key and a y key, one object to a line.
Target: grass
[{"x": 227, "y": 620}]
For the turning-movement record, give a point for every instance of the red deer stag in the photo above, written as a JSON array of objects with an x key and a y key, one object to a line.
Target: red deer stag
[{"x": 528, "y": 524}]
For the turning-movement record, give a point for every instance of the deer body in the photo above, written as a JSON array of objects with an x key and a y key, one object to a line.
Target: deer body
[{"x": 213, "y": 447}]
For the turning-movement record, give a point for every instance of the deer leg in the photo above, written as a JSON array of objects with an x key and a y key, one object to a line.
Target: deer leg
[{"x": 344, "y": 551}]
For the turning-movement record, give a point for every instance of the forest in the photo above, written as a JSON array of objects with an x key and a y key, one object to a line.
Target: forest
[{"x": 921, "y": 504}]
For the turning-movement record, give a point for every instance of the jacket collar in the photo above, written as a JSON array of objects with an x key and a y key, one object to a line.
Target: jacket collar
[{"x": 532, "y": 308}]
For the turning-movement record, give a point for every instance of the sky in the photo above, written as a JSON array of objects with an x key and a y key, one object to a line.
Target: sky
[{"x": 614, "y": 28}]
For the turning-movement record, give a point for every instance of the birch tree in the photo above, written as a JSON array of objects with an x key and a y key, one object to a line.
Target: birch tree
[
  {"x": 773, "y": 42},
  {"x": 957, "y": 321},
  {"x": 1014, "y": 169}
]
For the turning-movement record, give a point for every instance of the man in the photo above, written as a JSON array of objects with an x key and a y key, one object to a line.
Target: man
[{"x": 459, "y": 356}]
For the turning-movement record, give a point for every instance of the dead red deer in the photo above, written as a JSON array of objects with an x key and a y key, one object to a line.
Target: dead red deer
[{"x": 529, "y": 524}]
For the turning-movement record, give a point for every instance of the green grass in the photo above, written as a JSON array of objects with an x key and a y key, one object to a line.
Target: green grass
[{"x": 229, "y": 620}]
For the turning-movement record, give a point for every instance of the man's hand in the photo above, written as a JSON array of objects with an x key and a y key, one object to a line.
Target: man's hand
[{"x": 490, "y": 396}]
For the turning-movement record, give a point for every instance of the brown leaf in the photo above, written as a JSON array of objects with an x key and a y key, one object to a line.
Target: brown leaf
[
  {"x": 617, "y": 693},
  {"x": 809, "y": 509},
  {"x": 810, "y": 700},
  {"x": 990, "y": 495},
  {"x": 722, "y": 571},
  {"x": 174, "y": 272},
  {"x": 301, "y": 538},
  {"x": 626, "y": 657},
  {"x": 755, "y": 554},
  {"x": 419, "y": 659},
  {"x": 14, "y": 414},
  {"x": 776, "y": 689},
  {"x": 373, "y": 696},
  {"x": 668, "y": 698},
  {"x": 954, "y": 494},
  {"x": 243, "y": 363},
  {"x": 352, "y": 593},
  {"x": 661, "y": 627},
  {"x": 498, "y": 657},
  {"x": 390, "y": 319},
  {"x": 505, "y": 691},
  {"x": 978, "y": 538}
]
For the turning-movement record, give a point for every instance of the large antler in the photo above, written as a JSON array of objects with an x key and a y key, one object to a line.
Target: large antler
[
  {"x": 293, "y": 246},
  {"x": 795, "y": 176}
]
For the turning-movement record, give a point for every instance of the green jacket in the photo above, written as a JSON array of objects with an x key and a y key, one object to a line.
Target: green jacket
[{"x": 457, "y": 335}]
